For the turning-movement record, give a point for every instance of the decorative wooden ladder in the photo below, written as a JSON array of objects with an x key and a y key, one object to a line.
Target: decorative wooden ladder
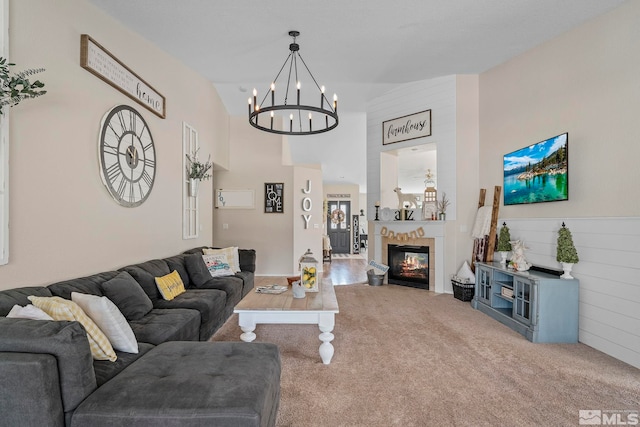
[{"x": 491, "y": 244}]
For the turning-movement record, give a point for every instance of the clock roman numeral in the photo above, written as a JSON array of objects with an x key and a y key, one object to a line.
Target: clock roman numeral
[
  {"x": 131, "y": 192},
  {"x": 142, "y": 132},
  {"x": 132, "y": 122},
  {"x": 149, "y": 145},
  {"x": 113, "y": 171},
  {"x": 115, "y": 132},
  {"x": 121, "y": 118},
  {"x": 147, "y": 178},
  {"x": 121, "y": 188},
  {"x": 149, "y": 163},
  {"x": 110, "y": 149},
  {"x": 142, "y": 192}
]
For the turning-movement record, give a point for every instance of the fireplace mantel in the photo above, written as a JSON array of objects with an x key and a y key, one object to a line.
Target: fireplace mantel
[{"x": 432, "y": 230}]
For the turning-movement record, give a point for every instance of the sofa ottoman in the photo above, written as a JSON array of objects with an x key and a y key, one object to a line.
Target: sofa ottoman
[{"x": 190, "y": 384}]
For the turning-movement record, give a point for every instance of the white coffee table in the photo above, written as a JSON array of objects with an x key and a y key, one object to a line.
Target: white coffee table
[{"x": 317, "y": 308}]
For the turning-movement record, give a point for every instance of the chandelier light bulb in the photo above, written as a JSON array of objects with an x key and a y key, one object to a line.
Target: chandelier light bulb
[{"x": 273, "y": 94}]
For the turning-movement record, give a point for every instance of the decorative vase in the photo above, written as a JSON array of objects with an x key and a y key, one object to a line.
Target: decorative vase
[
  {"x": 194, "y": 186},
  {"x": 566, "y": 267},
  {"x": 503, "y": 255},
  {"x": 443, "y": 216}
]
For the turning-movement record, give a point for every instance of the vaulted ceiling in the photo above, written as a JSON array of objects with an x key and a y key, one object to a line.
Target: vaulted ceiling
[{"x": 357, "y": 48}]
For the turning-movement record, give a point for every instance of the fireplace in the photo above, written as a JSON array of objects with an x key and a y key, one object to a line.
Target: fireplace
[{"x": 408, "y": 265}]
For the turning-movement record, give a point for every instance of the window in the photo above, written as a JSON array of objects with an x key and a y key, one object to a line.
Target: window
[{"x": 190, "y": 219}]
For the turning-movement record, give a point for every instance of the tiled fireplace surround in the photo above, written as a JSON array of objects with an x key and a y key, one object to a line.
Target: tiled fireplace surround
[{"x": 432, "y": 235}]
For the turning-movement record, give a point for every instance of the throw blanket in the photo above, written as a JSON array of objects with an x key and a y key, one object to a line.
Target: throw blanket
[{"x": 482, "y": 225}]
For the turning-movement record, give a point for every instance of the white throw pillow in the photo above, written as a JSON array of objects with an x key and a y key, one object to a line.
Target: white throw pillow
[
  {"x": 232, "y": 256},
  {"x": 109, "y": 319},
  {"x": 466, "y": 273},
  {"x": 29, "y": 311},
  {"x": 218, "y": 265}
]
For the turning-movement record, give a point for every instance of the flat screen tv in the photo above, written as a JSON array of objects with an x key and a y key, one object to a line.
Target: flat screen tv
[{"x": 538, "y": 173}]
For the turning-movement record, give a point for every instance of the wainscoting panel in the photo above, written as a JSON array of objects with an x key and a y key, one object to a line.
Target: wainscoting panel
[{"x": 609, "y": 274}]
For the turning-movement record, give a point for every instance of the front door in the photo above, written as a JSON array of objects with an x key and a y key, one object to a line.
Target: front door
[{"x": 339, "y": 228}]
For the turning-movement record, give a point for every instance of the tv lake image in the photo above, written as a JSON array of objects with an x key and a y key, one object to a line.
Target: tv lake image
[{"x": 539, "y": 188}]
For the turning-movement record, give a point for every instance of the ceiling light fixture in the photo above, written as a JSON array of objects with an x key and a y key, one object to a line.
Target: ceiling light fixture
[{"x": 298, "y": 116}]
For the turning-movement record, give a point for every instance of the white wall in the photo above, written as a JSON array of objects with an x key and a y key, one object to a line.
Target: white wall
[
  {"x": 608, "y": 273},
  {"x": 307, "y": 178},
  {"x": 584, "y": 82},
  {"x": 64, "y": 224},
  {"x": 256, "y": 158},
  {"x": 439, "y": 95},
  {"x": 435, "y": 94}
]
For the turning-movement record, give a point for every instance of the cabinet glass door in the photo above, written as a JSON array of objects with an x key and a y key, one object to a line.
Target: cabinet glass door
[
  {"x": 522, "y": 303},
  {"x": 484, "y": 284}
]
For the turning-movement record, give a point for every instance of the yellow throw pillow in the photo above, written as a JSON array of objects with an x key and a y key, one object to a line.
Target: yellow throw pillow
[
  {"x": 232, "y": 256},
  {"x": 62, "y": 309},
  {"x": 170, "y": 286}
]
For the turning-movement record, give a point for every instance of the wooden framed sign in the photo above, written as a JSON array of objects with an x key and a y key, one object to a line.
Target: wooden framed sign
[
  {"x": 101, "y": 63},
  {"x": 404, "y": 128},
  {"x": 274, "y": 197}
]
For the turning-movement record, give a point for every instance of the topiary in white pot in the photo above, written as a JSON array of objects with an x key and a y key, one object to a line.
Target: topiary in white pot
[
  {"x": 504, "y": 242},
  {"x": 566, "y": 253}
]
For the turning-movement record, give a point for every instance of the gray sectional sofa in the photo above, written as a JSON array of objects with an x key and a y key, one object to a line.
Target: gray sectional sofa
[{"x": 49, "y": 378}]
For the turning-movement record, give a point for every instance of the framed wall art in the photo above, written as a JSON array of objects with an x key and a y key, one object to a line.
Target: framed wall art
[
  {"x": 101, "y": 63},
  {"x": 404, "y": 128},
  {"x": 274, "y": 197}
]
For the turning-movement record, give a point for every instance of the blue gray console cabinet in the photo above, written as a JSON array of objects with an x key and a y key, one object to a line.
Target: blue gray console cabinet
[{"x": 541, "y": 306}]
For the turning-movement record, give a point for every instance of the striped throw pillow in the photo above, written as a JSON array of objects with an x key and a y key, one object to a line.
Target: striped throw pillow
[{"x": 62, "y": 309}]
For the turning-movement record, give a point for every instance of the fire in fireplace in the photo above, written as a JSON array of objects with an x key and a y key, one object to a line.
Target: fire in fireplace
[{"x": 409, "y": 265}]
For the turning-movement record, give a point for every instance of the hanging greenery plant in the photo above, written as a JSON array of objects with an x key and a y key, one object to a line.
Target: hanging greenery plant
[
  {"x": 17, "y": 87},
  {"x": 196, "y": 169}
]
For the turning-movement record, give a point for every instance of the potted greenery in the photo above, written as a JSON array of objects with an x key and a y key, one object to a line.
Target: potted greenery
[
  {"x": 197, "y": 171},
  {"x": 566, "y": 252},
  {"x": 442, "y": 205},
  {"x": 17, "y": 87},
  {"x": 504, "y": 243}
]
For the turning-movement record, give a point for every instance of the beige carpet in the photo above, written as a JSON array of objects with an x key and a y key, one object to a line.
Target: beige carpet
[{"x": 408, "y": 357}]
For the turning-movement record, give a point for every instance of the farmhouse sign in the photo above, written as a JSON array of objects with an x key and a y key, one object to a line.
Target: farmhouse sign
[
  {"x": 98, "y": 61},
  {"x": 408, "y": 127}
]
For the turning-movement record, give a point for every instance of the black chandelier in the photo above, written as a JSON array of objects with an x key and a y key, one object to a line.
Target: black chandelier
[{"x": 303, "y": 118}]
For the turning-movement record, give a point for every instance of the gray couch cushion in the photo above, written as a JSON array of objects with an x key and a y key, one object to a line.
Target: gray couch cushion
[
  {"x": 247, "y": 260},
  {"x": 177, "y": 263},
  {"x": 173, "y": 324},
  {"x": 201, "y": 279},
  {"x": 11, "y": 297},
  {"x": 145, "y": 274},
  {"x": 128, "y": 296},
  {"x": 247, "y": 281},
  {"x": 30, "y": 391},
  {"x": 67, "y": 341},
  {"x": 210, "y": 303},
  {"x": 190, "y": 384},
  {"x": 105, "y": 370},
  {"x": 83, "y": 285},
  {"x": 197, "y": 269}
]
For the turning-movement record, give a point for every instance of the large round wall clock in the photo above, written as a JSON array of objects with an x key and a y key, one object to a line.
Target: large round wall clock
[{"x": 127, "y": 156}]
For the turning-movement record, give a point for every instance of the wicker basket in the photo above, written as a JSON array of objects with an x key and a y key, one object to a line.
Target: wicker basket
[{"x": 463, "y": 289}]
